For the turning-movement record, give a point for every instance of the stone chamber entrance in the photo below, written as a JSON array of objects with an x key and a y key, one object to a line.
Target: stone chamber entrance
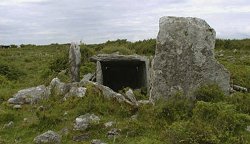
[{"x": 121, "y": 71}]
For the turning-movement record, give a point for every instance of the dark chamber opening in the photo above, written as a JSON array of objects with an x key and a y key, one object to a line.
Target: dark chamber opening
[{"x": 121, "y": 74}]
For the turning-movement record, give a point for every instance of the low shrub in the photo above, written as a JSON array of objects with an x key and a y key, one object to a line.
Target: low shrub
[
  {"x": 59, "y": 64},
  {"x": 210, "y": 123},
  {"x": 176, "y": 108},
  {"x": 241, "y": 101},
  {"x": 6, "y": 117},
  {"x": 88, "y": 67},
  {"x": 11, "y": 73},
  {"x": 209, "y": 93}
]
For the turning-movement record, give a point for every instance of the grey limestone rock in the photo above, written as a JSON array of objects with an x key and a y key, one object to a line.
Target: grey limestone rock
[
  {"x": 109, "y": 124},
  {"x": 97, "y": 141},
  {"x": 82, "y": 122},
  {"x": 9, "y": 125},
  {"x": 113, "y": 133},
  {"x": 74, "y": 62},
  {"x": 184, "y": 58},
  {"x": 58, "y": 87},
  {"x": 109, "y": 93},
  {"x": 131, "y": 97},
  {"x": 29, "y": 95},
  {"x": 48, "y": 137},
  {"x": 76, "y": 91}
]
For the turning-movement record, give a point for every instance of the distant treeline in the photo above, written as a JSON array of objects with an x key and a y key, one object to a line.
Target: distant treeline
[{"x": 143, "y": 47}]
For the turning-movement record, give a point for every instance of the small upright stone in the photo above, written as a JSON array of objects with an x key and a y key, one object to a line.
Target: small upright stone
[
  {"x": 184, "y": 58},
  {"x": 74, "y": 62}
]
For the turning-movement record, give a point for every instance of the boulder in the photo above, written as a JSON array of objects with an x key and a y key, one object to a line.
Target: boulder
[
  {"x": 58, "y": 87},
  {"x": 87, "y": 77},
  {"x": 74, "y": 62},
  {"x": 48, "y": 137},
  {"x": 29, "y": 95},
  {"x": 109, "y": 93},
  {"x": 131, "y": 97},
  {"x": 184, "y": 58},
  {"x": 82, "y": 122},
  {"x": 76, "y": 91}
]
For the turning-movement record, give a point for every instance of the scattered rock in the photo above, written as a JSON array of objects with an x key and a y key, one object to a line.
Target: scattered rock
[
  {"x": 184, "y": 58},
  {"x": 29, "y": 95},
  {"x": 97, "y": 141},
  {"x": 239, "y": 88},
  {"x": 41, "y": 108},
  {"x": 131, "y": 97},
  {"x": 64, "y": 131},
  {"x": 58, "y": 87},
  {"x": 134, "y": 117},
  {"x": 144, "y": 102},
  {"x": 17, "y": 106},
  {"x": 82, "y": 122},
  {"x": 235, "y": 50},
  {"x": 248, "y": 128},
  {"x": 76, "y": 91},
  {"x": 113, "y": 133},
  {"x": 48, "y": 137},
  {"x": 65, "y": 113},
  {"x": 9, "y": 125},
  {"x": 109, "y": 93},
  {"x": 109, "y": 124},
  {"x": 74, "y": 62},
  {"x": 221, "y": 55},
  {"x": 87, "y": 77},
  {"x": 80, "y": 138},
  {"x": 25, "y": 120}
]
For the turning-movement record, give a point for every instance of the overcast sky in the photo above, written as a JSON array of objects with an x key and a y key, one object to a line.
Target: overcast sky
[{"x": 95, "y": 21}]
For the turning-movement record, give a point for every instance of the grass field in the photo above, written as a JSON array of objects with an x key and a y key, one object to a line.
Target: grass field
[{"x": 216, "y": 119}]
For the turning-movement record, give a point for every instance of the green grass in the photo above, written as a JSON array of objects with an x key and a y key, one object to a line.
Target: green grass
[{"x": 211, "y": 118}]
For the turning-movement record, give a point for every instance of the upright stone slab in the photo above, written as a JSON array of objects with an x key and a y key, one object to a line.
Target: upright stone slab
[
  {"x": 184, "y": 58},
  {"x": 74, "y": 62}
]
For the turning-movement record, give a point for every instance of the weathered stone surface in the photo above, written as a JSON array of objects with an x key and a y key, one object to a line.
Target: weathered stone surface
[
  {"x": 97, "y": 141},
  {"x": 76, "y": 91},
  {"x": 9, "y": 125},
  {"x": 239, "y": 88},
  {"x": 109, "y": 124},
  {"x": 58, "y": 87},
  {"x": 48, "y": 137},
  {"x": 248, "y": 128},
  {"x": 144, "y": 102},
  {"x": 113, "y": 132},
  {"x": 87, "y": 77},
  {"x": 74, "y": 62},
  {"x": 82, "y": 137},
  {"x": 131, "y": 97},
  {"x": 109, "y": 93},
  {"x": 29, "y": 95},
  {"x": 184, "y": 58},
  {"x": 17, "y": 106},
  {"x": 82, "y": 122}
]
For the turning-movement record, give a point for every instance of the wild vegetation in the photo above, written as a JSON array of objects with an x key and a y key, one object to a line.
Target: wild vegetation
[{"x": 211, "y": 118}]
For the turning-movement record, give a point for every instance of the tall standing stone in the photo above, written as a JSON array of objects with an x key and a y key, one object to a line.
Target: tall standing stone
[
  {"x": 184, "y": 58},
  {"x": 74, "y": 62}
]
